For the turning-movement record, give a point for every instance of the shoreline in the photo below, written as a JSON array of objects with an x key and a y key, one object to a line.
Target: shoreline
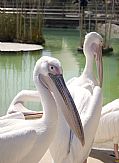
[{"x": 18, "y": 47}]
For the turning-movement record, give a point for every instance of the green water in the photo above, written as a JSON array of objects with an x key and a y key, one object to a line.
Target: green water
[{"x": 16, "y": 68}]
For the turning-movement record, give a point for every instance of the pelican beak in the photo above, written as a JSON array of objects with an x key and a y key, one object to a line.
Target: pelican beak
[
  {"x": 99, "y": 64},
  {"x": 70, "y": 112},
  {"x": 34, "y": 115}
]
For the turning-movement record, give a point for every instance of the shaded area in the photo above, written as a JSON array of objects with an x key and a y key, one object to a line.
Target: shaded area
[{"x": 105, "y": 156}]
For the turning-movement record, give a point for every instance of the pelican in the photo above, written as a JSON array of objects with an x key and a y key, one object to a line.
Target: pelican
[
  {"x": 65, "y": 147},
  {"x": 87, "y": 95},
  {"x": 26, "y": 141},
  {"x": 108, "y": 130}
]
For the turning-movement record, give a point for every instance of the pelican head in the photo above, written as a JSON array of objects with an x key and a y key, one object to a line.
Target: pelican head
[
  {"x": 93, "y": 49},
  {"x": 49, "y": 71}
]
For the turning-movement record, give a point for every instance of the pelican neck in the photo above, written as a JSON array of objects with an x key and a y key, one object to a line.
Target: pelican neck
[
  {"x": 88, "y": 69},
  {"x": 48, "y": 104}
]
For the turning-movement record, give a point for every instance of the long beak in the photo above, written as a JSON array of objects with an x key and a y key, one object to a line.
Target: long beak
[
  {"x": 99, "y": 64},
  {"x": 71, "y": 114}
]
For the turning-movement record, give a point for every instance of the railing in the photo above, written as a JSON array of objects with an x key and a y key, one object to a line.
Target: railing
[{"x": 64, "y": 10}]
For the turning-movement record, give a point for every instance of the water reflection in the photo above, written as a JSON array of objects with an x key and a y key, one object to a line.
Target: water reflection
[
  {"x": 111, "y": 78},
  {"x": 15, "y": 75},
  {"x": 16, "y": 68}
]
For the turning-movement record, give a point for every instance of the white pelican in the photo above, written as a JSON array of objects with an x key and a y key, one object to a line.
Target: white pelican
[
  {"x": 27, "y": 141},
  {"x": 87, "y": 96},
  {"x": 66, "y": 148},
  {"x": 108, "y": 130}
]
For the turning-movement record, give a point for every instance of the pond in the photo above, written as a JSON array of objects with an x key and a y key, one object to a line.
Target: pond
[{"x": 16, "y": 68}]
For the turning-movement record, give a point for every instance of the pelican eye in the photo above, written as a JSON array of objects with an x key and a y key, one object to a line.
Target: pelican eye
[{"x": 51, "y": 67}]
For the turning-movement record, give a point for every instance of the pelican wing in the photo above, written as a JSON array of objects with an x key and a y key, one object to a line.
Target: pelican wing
[
  {"x": 110, "y": 107},
  {"x": 16, "y": 144},
  {"x": 94, "y": 107},
  {"x": 89, "y": 106},
  {"x": 17, "y": 115},
  {"x": 108, "y": 130}
]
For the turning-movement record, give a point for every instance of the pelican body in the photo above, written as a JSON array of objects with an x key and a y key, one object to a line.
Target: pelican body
[
  {"x": 108, "y": 130},
  {"x": 27, "y": 141}
]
